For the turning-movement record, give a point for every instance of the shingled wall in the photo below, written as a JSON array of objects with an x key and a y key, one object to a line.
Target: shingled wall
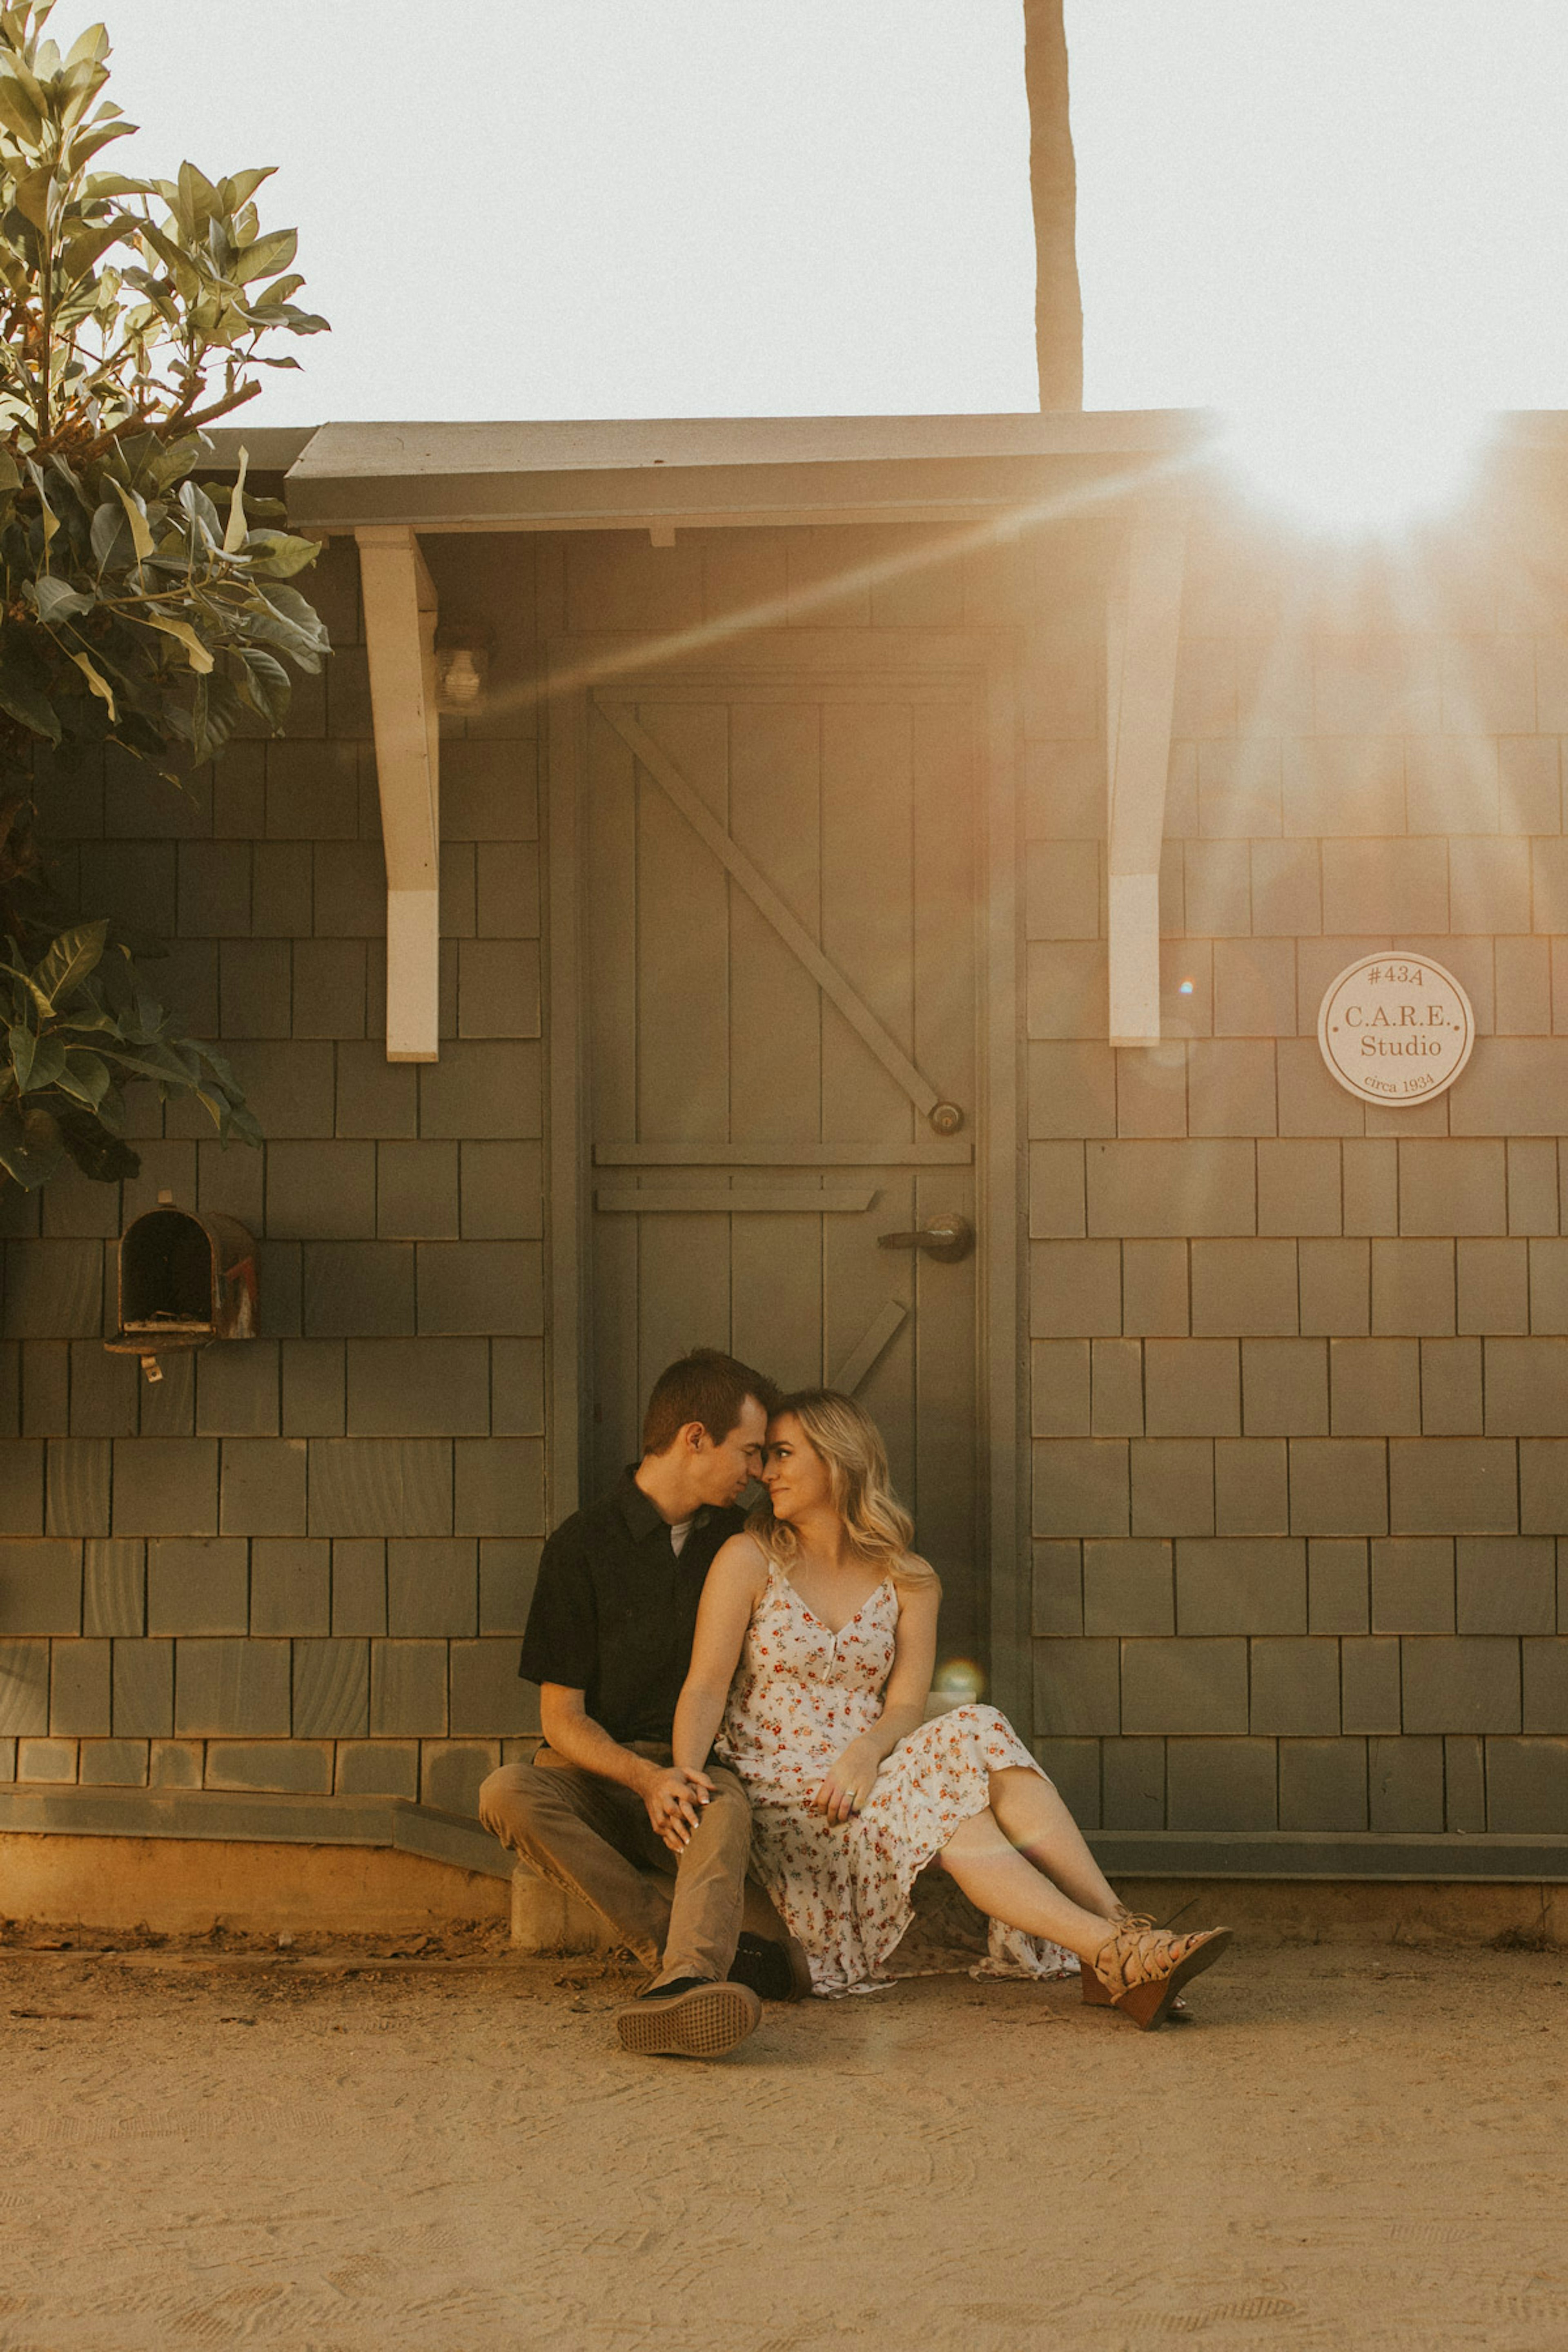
[
  {"x": 300, "y": 1563},
  {"x": 1301, "y": 1378}
]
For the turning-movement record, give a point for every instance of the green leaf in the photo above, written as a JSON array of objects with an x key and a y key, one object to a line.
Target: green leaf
[
  {"x": 22, "y": 700},
  {"x": 278, "y": 554},
  {"x": 92, "y": 46},
  {"x": 96, "y": 1152},
  {"x": 136, "y": 515},
  {"x": 267, "y": 688},
  {"x": 215, "y": 711},
  {"x": 202, "y": 511},
  {"x": 200, "y": 658},
  {"x": 240, "y": 186},
  {"x": 23, "y": 1043},
  {"x": 56, "y": 600},
  {"x": 216, "y": 1110},
  {"x": 292, "y": 605},
  {"x": 91, "y": 142},
  {"x": 32, "y": 196},
  {"x": 199, "y": 201},
  {"x": 48, "y": 1063},
  {"x": 31, "y": 985},
  {"x": 67, "y": 479},
  {"x": 30, "y": 1145},
  {"x": 174, "y": 460},
  {"x": 243, "y": 1124},
  {"x": 263, "y": 627},
  {"x": 18, "y": 113},
  {"x": 49, "y": 518},
  {"x": 84, "y": 1076},
  {"x": 20, "y": 63},
  {"x": 234, "y": 537},
  {"x": 268, "y": 256},
  {"x": 164, "y": 248},
  {"x": 147, "y": 1064},
  {"x": 95, "y": 679},
  {"x": 69, "y": 960},
  {"x": 115, "y": 183},
  {"x": 222, "y": 1070},
  {"x": 108, "y": 524}
]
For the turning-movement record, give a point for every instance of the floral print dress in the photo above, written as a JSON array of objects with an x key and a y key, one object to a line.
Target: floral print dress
[{"x": 800, "y": 1695}]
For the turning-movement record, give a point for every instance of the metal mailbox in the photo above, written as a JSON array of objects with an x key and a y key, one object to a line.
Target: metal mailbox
[{"x": 185, "y": 1279}]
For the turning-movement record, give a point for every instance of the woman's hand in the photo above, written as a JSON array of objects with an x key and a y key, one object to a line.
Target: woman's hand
[{"x": 851, "y": 1781}]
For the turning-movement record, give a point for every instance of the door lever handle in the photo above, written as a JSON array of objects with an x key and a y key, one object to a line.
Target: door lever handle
[{"x": 946, "y": 1238}]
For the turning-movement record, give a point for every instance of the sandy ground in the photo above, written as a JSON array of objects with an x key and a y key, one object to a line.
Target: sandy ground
[{"x": 352, "y": 2152}]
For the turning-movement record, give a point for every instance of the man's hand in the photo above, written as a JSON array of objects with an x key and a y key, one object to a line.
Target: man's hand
[
  {"x": 851, "y": 1781},
  {"x": 675, "y": 1797}
]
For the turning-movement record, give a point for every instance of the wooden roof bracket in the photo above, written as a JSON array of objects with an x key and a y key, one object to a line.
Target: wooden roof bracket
[
  {"x": 1144, "y": 623},
  {"x": 400, "y": 611}
]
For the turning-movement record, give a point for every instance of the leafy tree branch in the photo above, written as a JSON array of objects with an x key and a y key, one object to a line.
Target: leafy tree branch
[{"x": 138, "y": 608}]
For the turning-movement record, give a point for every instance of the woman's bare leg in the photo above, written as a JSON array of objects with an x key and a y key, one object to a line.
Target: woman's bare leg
[
  {"x": 1033, "y": 1818},
  {"x": 999, "y": 1880}
]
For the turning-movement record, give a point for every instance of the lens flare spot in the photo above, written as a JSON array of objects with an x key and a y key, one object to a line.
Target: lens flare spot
[
  {"x": 1345, "y": 469},
  {"x": 958, "y": 1682},
  {"x": 1185, "y": 988}
]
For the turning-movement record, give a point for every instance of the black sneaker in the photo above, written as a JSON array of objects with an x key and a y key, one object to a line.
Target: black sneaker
[
  {"x": 765, "y": 1966},
  {"x": 691, "y": 2018}
]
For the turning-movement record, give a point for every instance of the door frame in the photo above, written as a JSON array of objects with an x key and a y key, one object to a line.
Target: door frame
[{"x": 986, "y": 662}]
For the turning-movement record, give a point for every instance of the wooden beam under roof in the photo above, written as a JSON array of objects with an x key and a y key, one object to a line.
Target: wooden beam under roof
[
  {"x": 1144, "y": 626},
  {"x": 400, "y": 612}
]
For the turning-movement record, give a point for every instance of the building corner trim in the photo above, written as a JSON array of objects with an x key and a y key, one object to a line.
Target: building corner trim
[{"x": 1144, "y": 625}]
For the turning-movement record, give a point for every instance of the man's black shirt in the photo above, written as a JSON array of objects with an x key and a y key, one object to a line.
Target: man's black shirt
[{"x": 615, "y": 1611}]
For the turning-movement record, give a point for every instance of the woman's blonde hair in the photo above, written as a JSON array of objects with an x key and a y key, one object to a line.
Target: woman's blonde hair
[{"x": 850, "y": 1443}]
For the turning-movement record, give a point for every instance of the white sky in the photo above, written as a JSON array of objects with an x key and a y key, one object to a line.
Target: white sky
[{"x": 657, "y": 207}]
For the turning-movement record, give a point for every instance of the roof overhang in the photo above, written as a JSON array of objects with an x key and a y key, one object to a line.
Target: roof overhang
[
  {"x": 688, "y": 473},
  {"x": 685, "y": 473},
  {"x": 694, "y": 472}
]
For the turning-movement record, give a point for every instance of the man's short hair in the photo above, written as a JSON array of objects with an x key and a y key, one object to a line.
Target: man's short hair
[{"x": 705, "y": 1386}]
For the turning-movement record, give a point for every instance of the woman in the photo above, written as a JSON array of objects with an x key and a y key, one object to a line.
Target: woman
[{"x": 813, "y": 1657}]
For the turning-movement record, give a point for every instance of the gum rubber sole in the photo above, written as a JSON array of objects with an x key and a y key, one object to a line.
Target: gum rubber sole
[{"x": 702, "y": 2023}]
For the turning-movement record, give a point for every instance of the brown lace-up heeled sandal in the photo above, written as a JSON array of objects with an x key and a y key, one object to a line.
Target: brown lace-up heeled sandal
[
  {"x": 1140, "y": 1968},
  {"x": 1095, "y": 1995},
  {"x": 1098, "y": 1996}
]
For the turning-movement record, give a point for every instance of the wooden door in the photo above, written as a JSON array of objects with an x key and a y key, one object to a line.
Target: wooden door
[{"x": 780, "y": 930}]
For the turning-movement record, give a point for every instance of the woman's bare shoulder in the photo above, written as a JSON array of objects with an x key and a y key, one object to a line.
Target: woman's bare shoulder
[
  {"x": 915, "y": 1575},
  {"x": 741, "y": 1560}
]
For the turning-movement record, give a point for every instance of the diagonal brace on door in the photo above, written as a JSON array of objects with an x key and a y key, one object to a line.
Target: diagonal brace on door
[
  {"x": 769, "y": 905},
  {"x": 869, "y": 1349}
]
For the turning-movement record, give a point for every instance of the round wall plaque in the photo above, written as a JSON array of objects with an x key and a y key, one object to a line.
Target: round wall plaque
[{"x": 1396, "y": 1028}]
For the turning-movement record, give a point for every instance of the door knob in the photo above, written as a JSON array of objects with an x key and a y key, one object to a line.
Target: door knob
[{"x": 946, "y": 1238}]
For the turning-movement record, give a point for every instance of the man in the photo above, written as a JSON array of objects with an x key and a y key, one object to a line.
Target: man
[{"x": 602, "y": 1806}]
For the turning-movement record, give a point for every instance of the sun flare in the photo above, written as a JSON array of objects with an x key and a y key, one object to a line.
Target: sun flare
[{"x": 1360, "y": 469}]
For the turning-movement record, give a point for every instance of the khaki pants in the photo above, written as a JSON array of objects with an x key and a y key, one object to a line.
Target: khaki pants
[{"x": 681, "y": 1915}]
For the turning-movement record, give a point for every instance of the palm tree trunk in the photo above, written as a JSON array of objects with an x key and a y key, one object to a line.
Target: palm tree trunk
[{"x": 1053, "y": 187}]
